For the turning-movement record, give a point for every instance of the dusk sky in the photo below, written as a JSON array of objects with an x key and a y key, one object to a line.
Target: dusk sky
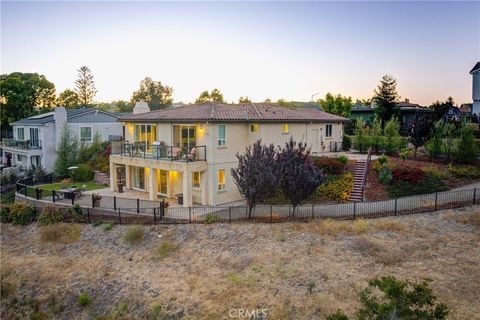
[{"x": 260, "y": 50}]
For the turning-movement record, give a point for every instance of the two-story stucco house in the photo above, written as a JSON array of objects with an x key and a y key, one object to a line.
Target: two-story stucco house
[
  {"x": 188, "y": 151},
  {"x": 35, "y": 139}
]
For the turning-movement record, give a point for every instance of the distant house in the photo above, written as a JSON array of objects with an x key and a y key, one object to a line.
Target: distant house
[
  {"x": 35, "y": 139},
  {"x": 407, "y": 113},
  {"x": 475, "y": 72}
]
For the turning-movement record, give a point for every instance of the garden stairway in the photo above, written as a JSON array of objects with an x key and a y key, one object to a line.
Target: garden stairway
[{"x": 358, "y": 172}]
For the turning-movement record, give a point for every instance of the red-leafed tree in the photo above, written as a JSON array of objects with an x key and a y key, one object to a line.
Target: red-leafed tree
[
  {"x": 299, "y": 175},
  {"x": 419, "y": 130},
  {"x": 257, "y": 174}
]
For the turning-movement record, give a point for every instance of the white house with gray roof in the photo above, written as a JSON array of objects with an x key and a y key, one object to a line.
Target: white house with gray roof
[{"x": 35, "y": 139}]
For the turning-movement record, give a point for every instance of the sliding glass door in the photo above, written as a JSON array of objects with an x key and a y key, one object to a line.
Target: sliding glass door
[
  {"x": 146, "y": 133},
  {"x": 162, "y": 182},
  {"x": 138, "y": 178},
  {"x": 184, "y": 136}
]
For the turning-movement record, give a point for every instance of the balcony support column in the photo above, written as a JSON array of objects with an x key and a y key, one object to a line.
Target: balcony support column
[
  {"x": 113, "y": 177},
  {"x": 187, "y": 187},
  {"x": 128, "y": 177},
  {"x": 152, "y": 184},
  {"x": 203, "y": 187}
]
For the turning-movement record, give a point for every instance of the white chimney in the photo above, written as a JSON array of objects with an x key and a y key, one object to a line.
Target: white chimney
[
  {"x": 141, "y": 107},
  {"x": 60, "y": 117}
]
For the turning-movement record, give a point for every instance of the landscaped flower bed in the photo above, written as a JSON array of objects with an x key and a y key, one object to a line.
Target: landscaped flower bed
[{"x": 414, "y": 177}]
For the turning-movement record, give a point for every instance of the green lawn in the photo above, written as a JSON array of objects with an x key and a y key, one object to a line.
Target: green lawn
[{"x": 59, "y": 185}]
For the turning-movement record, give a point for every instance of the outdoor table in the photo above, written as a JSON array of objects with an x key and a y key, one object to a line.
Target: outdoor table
[{"x": 69, "y": 193}]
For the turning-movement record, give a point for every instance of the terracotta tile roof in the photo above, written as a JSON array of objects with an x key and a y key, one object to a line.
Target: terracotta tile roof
[{"x": 235, "y": 112}]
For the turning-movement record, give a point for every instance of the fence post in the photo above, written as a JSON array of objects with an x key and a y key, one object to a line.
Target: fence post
[
  {"x": 36, "y": 193},
  {"x": 436, "y": 197},
  {"x": 162, "y": 209},
  {"x": 271, "y": 213},
  {"x": 230, "y": 213},
  {"x": 25, "y": 191},
  {"x": 119, "y": 217},
  {"x": 474, "y": 195},
  {"x": 93, "y": 201},
  {"x": 313, "y": 211},
  {"x": 154, "y": 216},
  {"x": 190, "y": 214},
  {"x": 114, "y": 202},
  {"x": 395, "y": 207},
  {"x": 53, "y": 196},
  {"x": 138, "y": 205},
  {"x": 354, "y": 210},
  {"x": 88, "y": 215},
  {"x": 73, "y": 198}
]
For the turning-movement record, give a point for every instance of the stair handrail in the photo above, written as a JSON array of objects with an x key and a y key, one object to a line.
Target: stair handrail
[{"x": 365, "y": 171}]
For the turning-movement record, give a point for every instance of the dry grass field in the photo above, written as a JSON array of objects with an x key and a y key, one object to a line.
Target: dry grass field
[{"x": 295, "y": 270}]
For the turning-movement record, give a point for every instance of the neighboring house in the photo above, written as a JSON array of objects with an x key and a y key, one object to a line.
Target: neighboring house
[
  {"x": 187, "y": 152},
  {"x": 35, "y": 139},
  {"x": 407, "y": 113},
  {"x": 475, "y": 72}
]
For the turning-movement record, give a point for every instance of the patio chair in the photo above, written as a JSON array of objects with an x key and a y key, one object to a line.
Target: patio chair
[
  {"x": 84, "y": 188},
  {"x": 192, "y": 155}
]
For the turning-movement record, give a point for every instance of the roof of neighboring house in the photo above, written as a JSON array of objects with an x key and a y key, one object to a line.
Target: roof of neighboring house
[
  {"x": 475, "y": 68},
  {"x": 212, "y": 111},
  {"x": 48, "y": 117},
  {"x": 465, "y": 108}
]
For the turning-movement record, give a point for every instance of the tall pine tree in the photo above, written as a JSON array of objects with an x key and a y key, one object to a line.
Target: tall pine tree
[
  {"x": 85, "y": 86},
  {"x": 385, "y": 99}
]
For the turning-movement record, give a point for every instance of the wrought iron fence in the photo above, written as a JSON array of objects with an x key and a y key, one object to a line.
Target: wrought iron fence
[{"x": 148, "y": 212}]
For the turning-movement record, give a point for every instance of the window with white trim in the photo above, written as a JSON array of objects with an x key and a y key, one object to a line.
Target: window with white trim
[
  {"x": 86, "y": 134},
  {"x": 328, "y": 131},
  {"x": 20, "y": 134},
  {"x": 196, "y": 180},
  {"x": 254, "y": 127},
  {"x": 221, "y": 135},
  {"x": 221, "y": 179}
]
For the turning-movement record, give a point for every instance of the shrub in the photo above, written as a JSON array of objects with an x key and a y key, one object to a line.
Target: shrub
[
  {"x": 343, "y": 159},
  {"x": 346, "y": 143},
  {"x": 383, "y": 159},
  {"x": 133, "y": 234},
  {"x": 466, "y": 150},
  {"x": 50, "y": 215},
  {"x": 434, "y": 146},
  {"x": 470, "y": 172},
  {"x": 337, "y": 190},
  {"x": 61, "y": 232},
  {"x": 390, "y": 298},
  {"x": 329, "y": 165},
  {"x": 404, "y": 154},
  {"x": 211, "y": 218},
  {"x": 22, "y": 213},
  {"x": 107, "y": 226},
  {"x": 8, "y": 198},
  {"x": 393, "y": 141},
  {"x": 84, "y": 300},
  {"x": 5, "y": 214},
  {"x": 76, "y": 212},
  {"x": 83, "y": 173},
  {"x": 429, "y": 184},
  {"x": 411, "y": 175},
  {"x": 385, "y": 174},
  {"x": 431, "y": 170},
  {"x": 166, "y": 248}
]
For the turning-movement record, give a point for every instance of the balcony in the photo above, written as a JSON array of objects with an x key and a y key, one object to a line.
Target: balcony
[
  {"x": 163, "y": 152},
  {"x": 22, "y": 144}
]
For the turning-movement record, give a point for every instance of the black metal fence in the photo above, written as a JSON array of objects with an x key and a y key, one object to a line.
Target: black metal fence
[{"x": 125, "y": 210}]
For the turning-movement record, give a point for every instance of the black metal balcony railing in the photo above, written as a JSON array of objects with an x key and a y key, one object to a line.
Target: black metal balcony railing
[
  {"x": 22, "y": 144},
  {"x": 163, "y": 152}
]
